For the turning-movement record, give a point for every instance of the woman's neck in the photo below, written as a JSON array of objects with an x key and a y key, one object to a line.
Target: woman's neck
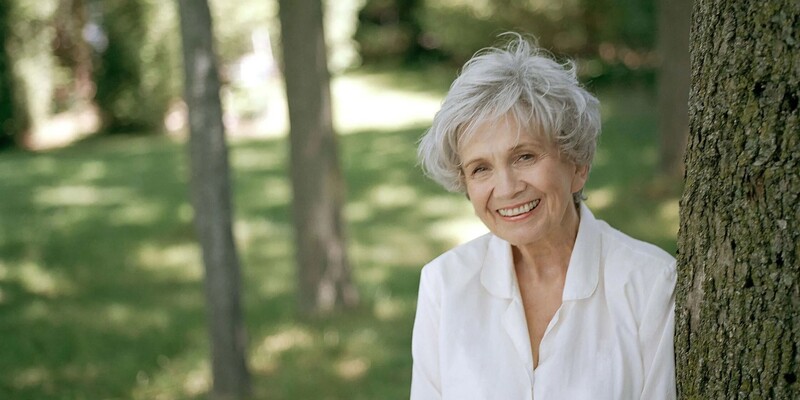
[{"x": 548, "y": 259}]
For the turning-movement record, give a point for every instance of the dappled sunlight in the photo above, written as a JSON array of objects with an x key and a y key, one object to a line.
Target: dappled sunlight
[
  {"x": 40, "y": 281},
  {"x": 91, "y": 171},
  {"x": 458, "y": 230},
  {"x": 388, "y": 307},
  {"x": 198, "y": 381},
  {"x": 274, "y": 191},
  {"x": 598, "y": 199},
  {"x": 444, "y": 205},
  {"x": 279, "y": 283},
  {"x": 256, "y": 159},
  {"x": 393, "y": 247},
  {"x": 250, "y": 234},
  {"x": 128, "y": 319},
  {"x": 185, "y": 212},
  {"x": 272, "y": 346},
  {"x": 37, "y": 376},
  {"x": 358, "y": 211},
  {"x": 175, "y": 378},
  {"x": 137, "y": 213},
  {"x": 82, "y": 195},
  {"x": 38, "y": 166},
  {"x": 364, "y": 339},
  {"x": 361, "y": 104},
  {"x": 177, "y": 261},
  {"x": 352, "y": 368},
  {"x": 132, "y": 317},
  {"x": 669, "y": 213},
  {"x": 370, "y": 275},
  {"x": 391, "y": 195}
]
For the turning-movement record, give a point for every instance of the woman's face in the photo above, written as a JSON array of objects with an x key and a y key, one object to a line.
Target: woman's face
[{"x": 519, "y": 186}]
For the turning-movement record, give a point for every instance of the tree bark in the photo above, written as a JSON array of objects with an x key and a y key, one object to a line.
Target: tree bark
[
  {"x": 738, "y": 296},
  {"x": 324, "y": 282},
  {"x": 211, "y": 198},
  {"x": 674, "y": 20}
]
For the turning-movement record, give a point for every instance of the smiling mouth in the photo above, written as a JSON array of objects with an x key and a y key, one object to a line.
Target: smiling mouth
[{"x": 513, "y": 212}]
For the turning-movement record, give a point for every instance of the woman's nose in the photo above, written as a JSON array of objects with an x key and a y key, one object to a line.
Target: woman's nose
[{"x": 508, "y": 184}]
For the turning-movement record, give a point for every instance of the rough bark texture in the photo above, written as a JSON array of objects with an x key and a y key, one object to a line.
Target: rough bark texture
[
  {"x": 674, "y": 20},
  {"x": 738, "y": 297},
  {"x": 324, "y": 282},
  {"x": 210, "y": 194}
]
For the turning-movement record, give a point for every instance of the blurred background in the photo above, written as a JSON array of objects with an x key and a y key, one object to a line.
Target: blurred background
[{"x": 101, "y": 277}]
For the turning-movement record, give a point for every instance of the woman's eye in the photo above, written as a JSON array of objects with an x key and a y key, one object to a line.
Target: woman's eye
[
  {"x": 526, "y": 157},
  {"x": 478, "y": 170}
]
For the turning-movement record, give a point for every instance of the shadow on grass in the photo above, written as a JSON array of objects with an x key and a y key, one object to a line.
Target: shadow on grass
[{"x": 101, "y": 282}]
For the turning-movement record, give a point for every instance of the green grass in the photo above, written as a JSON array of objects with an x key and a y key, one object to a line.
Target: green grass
[{"x": 101, "y": 281}]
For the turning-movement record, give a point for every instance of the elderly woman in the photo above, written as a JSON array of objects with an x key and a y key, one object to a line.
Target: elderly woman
[{"x": 552, "y": 303}]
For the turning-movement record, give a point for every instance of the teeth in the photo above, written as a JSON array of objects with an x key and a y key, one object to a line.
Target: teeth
[{"x": 512, "y": 212}]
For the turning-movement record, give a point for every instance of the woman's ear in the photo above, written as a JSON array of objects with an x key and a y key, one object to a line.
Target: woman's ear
[{"x": 579, "y": 179}]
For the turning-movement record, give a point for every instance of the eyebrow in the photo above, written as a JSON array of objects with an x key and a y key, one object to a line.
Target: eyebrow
[{"x": 513, "y": 149}]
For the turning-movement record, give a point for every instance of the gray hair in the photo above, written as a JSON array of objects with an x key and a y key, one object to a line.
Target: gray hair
[{"x": 543, "y": 96}]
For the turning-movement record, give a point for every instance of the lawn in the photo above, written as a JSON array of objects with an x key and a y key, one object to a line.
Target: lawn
[{"x": 101, "y": 281}]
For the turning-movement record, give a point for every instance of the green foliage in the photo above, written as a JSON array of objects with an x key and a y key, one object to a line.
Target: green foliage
[
  {"x": 462, "y": 27},
  {"x": 137, "y": 72},
  {"x": 390, "y": 28},
  {"x": 101, "y": 292},
  {"x": 235, "y": 22},
  {"x": 618, "y": 36}
]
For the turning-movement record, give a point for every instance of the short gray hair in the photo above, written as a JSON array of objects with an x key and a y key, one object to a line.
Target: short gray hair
[{"x": 543, "y": 96}]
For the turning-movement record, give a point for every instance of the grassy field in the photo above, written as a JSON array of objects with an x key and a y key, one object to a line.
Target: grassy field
[{"x": 101, "y": 281}]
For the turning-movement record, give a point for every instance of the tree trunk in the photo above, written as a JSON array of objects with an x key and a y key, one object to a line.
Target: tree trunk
[
  {"x": 72, "y": 50},
  {"x": 323, "y": 273},
  {"x": 8, "y": 129},
  {"x": 211, "y": 198},
  {"x": 738, "y": 297},
  {"x": 29, "y": 46},
  {"x": 674, "y": 20}
]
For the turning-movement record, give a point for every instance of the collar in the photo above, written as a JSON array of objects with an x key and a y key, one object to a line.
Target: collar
[{"x": 499, "y": 279}]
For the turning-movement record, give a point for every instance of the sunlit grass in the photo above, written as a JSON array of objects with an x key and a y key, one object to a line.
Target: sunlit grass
[
  {"x": 101, "y": 292},
  {"x": 371, "y": 99}
]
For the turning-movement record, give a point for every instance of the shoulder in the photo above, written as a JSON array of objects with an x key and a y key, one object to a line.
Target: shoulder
[
  {"x": 629, "y": 253},
  {"x": 634, "y": 271},
  {"x": 459, "y": 262},
  {"x": 636, "y": 274}
]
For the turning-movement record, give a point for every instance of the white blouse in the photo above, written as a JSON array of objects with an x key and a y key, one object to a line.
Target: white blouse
[{"x": 610, "y": 339}]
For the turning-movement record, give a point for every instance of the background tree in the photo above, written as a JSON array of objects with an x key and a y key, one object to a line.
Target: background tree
[
  {"x": 29, "y": 46},
  {"x": 73, "y": 52},
  {"x": 7, "y": 125},
  {"x": 324, "y": 280},
  {"x": 135, "y": 69},
  {"x": 674, "y": 20},
  {"x": 211, "y": 199},
  {"x": 738, "y": 332}
]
